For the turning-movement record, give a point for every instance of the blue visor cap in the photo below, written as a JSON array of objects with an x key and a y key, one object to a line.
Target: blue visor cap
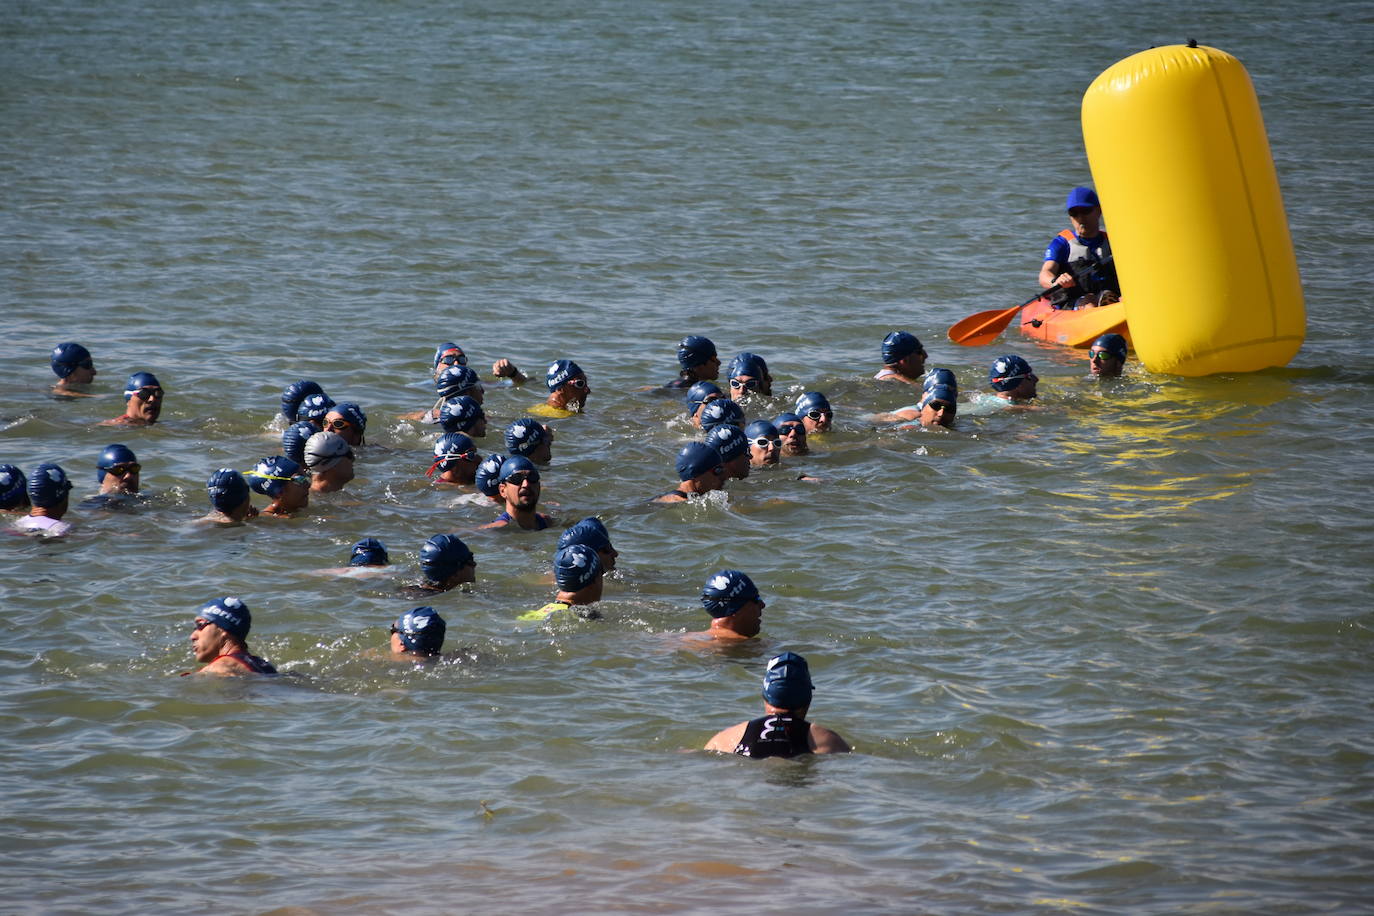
[
  {"x": 1081, "y": 197},
  {"x": 369, "y": 552},
  {"x": 898, "y": 345},
  {"x": 787, "y": 682},
  {"x": 230, "y": 614},
  {"x": 421, "y": 630},
  {"x": 695, "y": 459},
  {"x": 693, "y": 351},
  {"x": 726, "y": 592}
]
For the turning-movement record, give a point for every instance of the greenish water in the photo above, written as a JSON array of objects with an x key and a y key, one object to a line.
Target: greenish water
[{"x": 1111, "y": 655}]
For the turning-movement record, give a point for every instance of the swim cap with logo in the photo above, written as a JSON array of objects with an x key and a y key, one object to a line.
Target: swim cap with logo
[
  {"x": 729, "y": 441},
  {"x": 719, "y": 411},
  {"x": 560, "y": 370},
  {"x": 314, "y": 407},
  {"x": 488, "y": 476},
  {"x": 695, "y": 459},
  {"x": 271, "y": 475},
  {"x": 446, "y": 348},
  {"x": 368, "y": 552},
  {"x": 456, "y": 380},
  {"x": 421, "y": 630},
  {"x": 460, "y": 414},
  {"x": 750, "y": 364},
  {"x": 812, "y": 400},
  {"x": 524, "y": 436},
  {"x": 698, "y": 393},
  {"x": 451, "y": 447},
  {"x": 589, "y": 532},
  {"x": 575, "y": 567},
  {"x": 353, "y": 413},
  {"x": 230, "y": 614},
  {"x": 726, "y": 592},
  {"x": 294, "y": 393},
  {"x": 443, "y": 555},
  {"x": 939, "y": 377},
  {"x": 1008, "y": 371},
  {"x": 787, "y": 682},
  {"x": 66, "y": 357},
  {"x": 14, "y": 488},
  {"x": 294, "y": 437}
]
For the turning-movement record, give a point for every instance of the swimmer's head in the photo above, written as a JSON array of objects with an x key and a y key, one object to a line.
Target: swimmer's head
[
  {"x": 456, "y": 380},
  {"x": 693, "y": 351},
  {"x": 227, "y": 489},
  {"x": 294, "y": 437},
  {"x": 368, "y": 552},
  {"x": 1114, "y": 344},
  {"x": 729, "y": 441},
  {"x": 488, "y": 476},
  {"x": 114, "y": 456},
  {"x": 787, "y": 682},
  {"x": 139, "y": 383},
  {"x": 575, "y": 567},
  {"x": 294, "y": 393},
  {"x": 524, "y": 436},
  {"x": 697, "y": 458},
  {"x": 66, "y": 358},
  {"x": 230, "y": 614},
  {"x": 314, "y": 407},
  {"x": 461, "y": 414},
  {"x": 1008, "y": 371},
  {"x": 421, "y": 630},
  {"x": 726, "y": 592},
  {"x": 271, "y": 475},
  {"x": 750, "y": 364},
  {"x": 443, "y": 555},
  {"x": 449, "y": 354},
  {"x": 451, "y": 448},
  {"x": 700, "y": 393},
  {"x": 48, "y": 486},
  {"x": 352, "y": 414},
  {"x": 815, "y": 408},
  {"x": 898, "y": 345},
  {"x": 14, "y": 488},
  {"x": 560, "y": 372},
  {"x": 940, "y": 377},
  {"x": 589, "y": 532},
  {"x": 719, "y": 411}
]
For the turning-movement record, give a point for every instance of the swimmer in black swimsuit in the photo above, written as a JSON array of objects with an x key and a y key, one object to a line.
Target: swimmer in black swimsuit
[
  {"x": 699, "y": 362},
  {"x": 220, "y": 640},
  {"x": 784, "y": 731}
]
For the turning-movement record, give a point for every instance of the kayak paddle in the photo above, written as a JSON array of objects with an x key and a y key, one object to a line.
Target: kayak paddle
[{"x": 983, "y": 327}]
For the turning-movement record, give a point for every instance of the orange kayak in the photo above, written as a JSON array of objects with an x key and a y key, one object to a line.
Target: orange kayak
[{"x": 1073, "y": 327}]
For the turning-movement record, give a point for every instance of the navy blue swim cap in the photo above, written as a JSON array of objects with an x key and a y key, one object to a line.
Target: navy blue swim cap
[
  {"x": 695, "y": 459},
  {"x": 560, "y": 370},
  {"x": 693, "y": 351},
  {"x": 227, "y": 489},
  {"x": 488, "y": 476},
  {"x": 813, "y": 400},
  {"x": 698, "y": 393},
  {"x": 785, "y": 417},
  {"x": 525, "y": 435},
  {"x": 589, "y": 532},
  {"x": 1114, "y": 344},
  {"x": 443, "y": 555},
  {"x": 66, "y": 357},
  {"x": 368, "y": 552},
  {"x": 517, "y": 464},
  {"x": 898, "y": 345},
  {"x": 760, "y": 429},
  {"x": 575, "y": 567},
  {"x": 721, "y": 410},
  {"x": 726, "y": 592},
  {"x": 230, "y": 614},
  {"x": 447, "y": 348},
  {"x": 1081, "y": 197},
  {"x": 314, "y": 407},
  {"x": 460, "y": 414},
  {"x": 787, "y": 682},
  {"x": 294, "y": 437},
  {"x": 48, "y": 485},
  {"x": 1006, "y": 373},
  {"x": 450, "y": 448},
  {"x": 939, "y": 377},
  {"x": 138, "y": 381},
  {"x": 939, "y": 393},
  {"x": 456, "y": 380},
  {"x": 271, "y": 475},
  {"x": 750, "y": 364},
  {"x": 421, "y": 630},
  {"x": 353, "y": 414},
  {"x": 14, "y": 489},
  {"x": 729, "y": 441},
  {"x": 113, "y": 455},
  {"x": 294, "y": 393}
]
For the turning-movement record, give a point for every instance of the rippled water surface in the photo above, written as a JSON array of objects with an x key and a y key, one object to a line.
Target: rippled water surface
[{"x": 1110, "y": 655}]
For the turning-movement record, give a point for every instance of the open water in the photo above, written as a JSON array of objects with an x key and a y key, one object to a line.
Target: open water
[{"x": 1112, "y": 655}]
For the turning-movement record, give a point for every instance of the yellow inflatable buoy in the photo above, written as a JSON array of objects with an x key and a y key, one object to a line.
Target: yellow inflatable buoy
[{"x": 1181, "y": 162}]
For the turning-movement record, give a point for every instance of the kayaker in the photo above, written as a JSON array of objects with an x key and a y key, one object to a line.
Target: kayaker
[
  {"x": 1074, "y": 260},
  {"x": 783, "y": 731},
  {"x": 1107, "y": 356}
]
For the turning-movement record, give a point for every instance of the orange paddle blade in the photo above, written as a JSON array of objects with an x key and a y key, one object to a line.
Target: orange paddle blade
[{"x": 984, "y": 327}]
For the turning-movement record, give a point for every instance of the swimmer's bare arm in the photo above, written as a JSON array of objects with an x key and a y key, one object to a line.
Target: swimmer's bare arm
[
  {"x": 727, "y": 740},
  {"x": 906, "y": 414},
  {"x": 504, "y": 368},
  {"x": 225, "y": 667},
  {"x": 825, "y": 741}
]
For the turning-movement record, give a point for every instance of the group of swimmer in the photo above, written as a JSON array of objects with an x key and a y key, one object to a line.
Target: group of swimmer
[{"x": 318, "y": 457}]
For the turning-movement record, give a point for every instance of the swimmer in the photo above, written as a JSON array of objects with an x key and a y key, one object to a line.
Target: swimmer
[
  {"x": 284, "y": 482},
  {"x": 568, "y": 390},
  {"x": 451, "y": 382},
  {"x": 793, "y": 432},
  {"x": 580, "y": 578},
  {"x": 368, "y": 553},
  {"x": 1078, "y": 261},
  {"x": 230, "y": 499},
  {"x": 48, "y": 491},
  {"x": 117, "y": 470},
  {"x": 348, "y": 420},
  {"x": 450, "y": 354},
  {"x": 700, "y": 471},
  {"x": 733, "y": 445},
  {"x": 1012, "y": 379},
  {"x": 698, "y": 361},
  {"x": 783, "y": 731},
  {"x": 314, "y": 408},
  {"x": 463, "y": 415},
  {"x": 765, "y": 444},
  {"x": 590, "y": 532},
  {"x": 220, "y": 640},
  {"x": 815, "y": 411},
  {"x": 455, "y": 460},
  {"x": 733, "y": 602},
  {"x": 527, "y": 436},
  {"x": 487, "y": 480},
  {"x": 904, "y": 359},
  {"x": 72, "y": 365},
  {"x": 143, "y": 395},
  {"x": 294, "y": 437},
  {"x": 719, "y": 411},
  {"x": 698, "y": 396},
  {"x": 445, "y": 563},
  {"x": 749, "y": 373},
  {"x": 1107, "y": 356},
  {"x": 14, "y": 490},
  {"x": 418, "y": 633},
  {"x": 330, "y": 461},
  {"x": 519, "y": 489},
  {"x": 296, "y": 392},
  {"x": 938, "y": 404}
]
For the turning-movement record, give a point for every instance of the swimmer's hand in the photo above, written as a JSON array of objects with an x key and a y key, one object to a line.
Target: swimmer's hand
[{"x": 504, "y": 368}]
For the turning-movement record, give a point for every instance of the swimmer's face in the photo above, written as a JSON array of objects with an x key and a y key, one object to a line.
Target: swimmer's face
[
  {"x": 766, "y": 455},
  {"x": 749, "y": 618},
  {"x": 83, "y": 374},
  {"x": 1103, "y": 364},
  {"x": 793, "y": 437},
  {"x": 336, "y": 422},
  {"x": 607, "y": 558},
  {"x": 207, "y": 640},
  {"x": 146, "y": 403},
  {"x": 743, "y": 385},
  {"x": 521, "y": 490},
  {"x": 938, "y": 412},
  {"x": 449, "y": 358},
  {"x": 738, "y": 467},
  {"x": 913, "y": 364},
  {"x": 818, "y": 421},
  {"x": 1025, "y": 389},
  {"x": 543, "y": 452}
]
